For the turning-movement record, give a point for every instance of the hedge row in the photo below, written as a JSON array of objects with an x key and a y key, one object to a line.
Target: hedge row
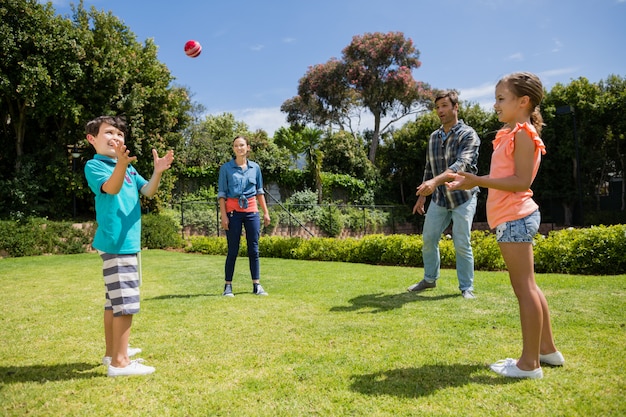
[
  {"x": 38, "y": 236},
  {"x": 599, "y": 250}
]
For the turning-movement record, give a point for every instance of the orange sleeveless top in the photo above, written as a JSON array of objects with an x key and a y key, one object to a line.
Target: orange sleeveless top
[{"x": 504, "y": 206}]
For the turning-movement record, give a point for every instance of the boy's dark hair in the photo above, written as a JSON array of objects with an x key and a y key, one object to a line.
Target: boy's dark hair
[
  {"x": 451, "y": 94},
  {"x": 93, "y": 126}
]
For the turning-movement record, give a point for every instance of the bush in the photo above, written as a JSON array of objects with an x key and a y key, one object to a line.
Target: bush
[
  {"x": 599, "y": 250},
  {"x": 487, "y": 255},
  {"x": 159, "y": 231},
  {"x": 361, "y": 219},
  {"x": 67, "y": 238},
  {"x": 38, "y": 236},
  {"x": 208, "y": 245},
  {"x": 330, "y": 221},
  {"x": 201, "y": 216},
  {"x": 21, "y": 238},
  {"x": 278, "y": 247},
  {"x": 369, "y": 249},
  {"x": 319, "y": 249}
]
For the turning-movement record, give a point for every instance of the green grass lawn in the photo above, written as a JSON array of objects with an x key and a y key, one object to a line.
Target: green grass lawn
[{"x": 332, "y": 339}]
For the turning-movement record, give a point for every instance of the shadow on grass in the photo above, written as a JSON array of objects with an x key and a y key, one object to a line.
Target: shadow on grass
[
  {"x": 47, "y": 373},
  {"x": 381, "y": 302},
  {"x": 423, "y": 381},
  {"x": 172, "y": 296}
]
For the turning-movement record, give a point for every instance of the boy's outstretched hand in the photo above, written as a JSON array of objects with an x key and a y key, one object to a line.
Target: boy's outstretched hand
[
  {"x": 122, "y": 153},
  {"x": 162, "y": 164}
]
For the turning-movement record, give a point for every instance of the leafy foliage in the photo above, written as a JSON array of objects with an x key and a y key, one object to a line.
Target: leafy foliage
[
  {"x": 36, "y": 236},
  {"x": 331, "y": 221},
  {"x": 599, "y": 250},
  {"x": 160, "y": 232},
  {"x": 375, "y": 73},
  {"x": 594, "y": 251},
  {"x": 59, "y": 72}
]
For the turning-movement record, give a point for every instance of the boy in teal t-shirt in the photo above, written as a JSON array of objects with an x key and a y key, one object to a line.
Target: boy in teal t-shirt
[{"x": 116, "y": 185}]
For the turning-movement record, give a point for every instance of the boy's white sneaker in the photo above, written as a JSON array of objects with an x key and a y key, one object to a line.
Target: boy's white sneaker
[
  {"x": 106, "y": 360},
  {"x": 135, "y": 367}
]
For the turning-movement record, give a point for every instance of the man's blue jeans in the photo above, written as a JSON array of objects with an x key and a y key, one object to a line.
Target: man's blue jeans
[
  {"x": 252, "y": 223},
  {"x": 437, "y": 220}
]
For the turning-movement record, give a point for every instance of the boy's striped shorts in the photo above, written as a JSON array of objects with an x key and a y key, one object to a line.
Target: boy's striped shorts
[{"x": 121, "y": 283}]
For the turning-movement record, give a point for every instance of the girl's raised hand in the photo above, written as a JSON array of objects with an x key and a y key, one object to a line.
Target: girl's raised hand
[{"x": 462, "y": 181}]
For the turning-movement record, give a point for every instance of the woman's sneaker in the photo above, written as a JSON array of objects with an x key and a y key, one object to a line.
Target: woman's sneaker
[
  {"x": 258, "y": 290},
  {"x": 135, "y": 367},
  {"x": 554, "y": 359},
  {"x": 508, "y": 367},
  {"x": 228, "y": 291}
]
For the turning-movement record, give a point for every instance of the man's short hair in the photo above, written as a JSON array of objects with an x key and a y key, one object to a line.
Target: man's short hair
[{"x": 451, "y": 94}]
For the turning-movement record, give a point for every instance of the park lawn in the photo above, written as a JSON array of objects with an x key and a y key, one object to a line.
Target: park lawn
[{"x": 331, "y": 339}]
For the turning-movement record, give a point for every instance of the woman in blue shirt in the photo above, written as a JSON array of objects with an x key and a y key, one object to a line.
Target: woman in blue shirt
[{"x": 240, "y": 187}]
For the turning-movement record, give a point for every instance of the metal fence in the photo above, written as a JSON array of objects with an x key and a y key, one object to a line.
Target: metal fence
[{"x": 305, "y": 220}]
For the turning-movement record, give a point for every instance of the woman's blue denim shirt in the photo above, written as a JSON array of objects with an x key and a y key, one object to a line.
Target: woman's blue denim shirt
[{"x": 235, "y": 182}]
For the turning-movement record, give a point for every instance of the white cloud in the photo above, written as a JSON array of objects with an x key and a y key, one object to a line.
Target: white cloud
[
  {"x": 475, "y": 93},
  {"x": 266, "y": 118},
  {"x": 558, "y": 45},
  {"x": 547, "y": 77},
  {"x": 257, "y": 47},
  {"x": 481, "y": 95},
  {"x": 557, "y": 72},
  {"x": 516, "y": 57}
]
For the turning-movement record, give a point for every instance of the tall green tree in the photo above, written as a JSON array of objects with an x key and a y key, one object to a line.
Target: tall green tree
[
  {"x": 613, "y": 108},
  {"x": 571, "y": 138},
  {"x": 304, "y": 141},
  {"x": 375, "y": 73},
  {"x": 38, "y": 70},
  {"x": 57, "y": 73},
  {"x": 345, "y": 154}
]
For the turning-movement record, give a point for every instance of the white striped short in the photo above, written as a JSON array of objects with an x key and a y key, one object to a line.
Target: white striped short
[{"x": 121, "y": 283}]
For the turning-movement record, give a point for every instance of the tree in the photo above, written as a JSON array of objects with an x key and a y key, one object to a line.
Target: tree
[
  {"x": 613, "y": 108},
  {"x": 290, "y": 139},
  {"x": 343, "y": 154},
  {"x": 557, "y": 181},
  {"x": 39, "y": 66},
  {"x": 374, "y": 74},
  {"x": 57, "y": 73},
  {"x": 305, "y": 141}
]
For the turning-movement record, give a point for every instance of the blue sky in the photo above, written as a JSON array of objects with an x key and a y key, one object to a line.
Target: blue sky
[{"x": 255, "y": 51}]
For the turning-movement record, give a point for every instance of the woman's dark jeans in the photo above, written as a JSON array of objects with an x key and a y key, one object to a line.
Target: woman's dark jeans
[{"x": 252, "y": 223}]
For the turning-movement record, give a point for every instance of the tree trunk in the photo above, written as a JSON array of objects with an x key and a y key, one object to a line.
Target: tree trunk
[
  {"x": 568, "y": 213},
  {"x": 18, "y": 120},
  {"x": 375, "y": 138}
]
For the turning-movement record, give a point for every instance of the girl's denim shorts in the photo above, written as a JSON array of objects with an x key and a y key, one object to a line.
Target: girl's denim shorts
[{"x": 521, "y": 230}]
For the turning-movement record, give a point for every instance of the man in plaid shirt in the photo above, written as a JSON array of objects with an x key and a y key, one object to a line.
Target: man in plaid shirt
[{"x": 451, "y": 148}]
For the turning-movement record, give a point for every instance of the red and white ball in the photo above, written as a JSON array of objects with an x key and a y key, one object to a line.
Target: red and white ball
[{"x": 193, "y": 48}]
